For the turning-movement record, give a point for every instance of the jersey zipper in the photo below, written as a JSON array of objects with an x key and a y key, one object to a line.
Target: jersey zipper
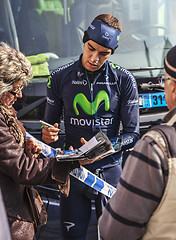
[{"x": 91, "y": 88}]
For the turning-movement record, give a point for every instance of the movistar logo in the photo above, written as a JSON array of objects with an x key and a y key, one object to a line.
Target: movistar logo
[
  {"x": 114, "y": 65},
  {"x": 49, "y": 82},
  {"x": 88, "y": 107}
]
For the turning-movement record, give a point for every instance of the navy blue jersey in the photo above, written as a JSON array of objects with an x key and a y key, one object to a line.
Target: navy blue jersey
[{"x": 107, "y": 103}]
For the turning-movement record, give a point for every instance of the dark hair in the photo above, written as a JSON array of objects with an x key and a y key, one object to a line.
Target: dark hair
[{"x": 110, "y": 20}]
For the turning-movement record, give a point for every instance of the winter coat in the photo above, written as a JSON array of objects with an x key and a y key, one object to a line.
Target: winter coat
[{"x": 17, "y": 171}]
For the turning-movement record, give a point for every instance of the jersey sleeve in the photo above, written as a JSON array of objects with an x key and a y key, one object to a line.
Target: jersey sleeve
[
  {"x": 129, "y": 113},
  {"x": 54, "y": 105}
]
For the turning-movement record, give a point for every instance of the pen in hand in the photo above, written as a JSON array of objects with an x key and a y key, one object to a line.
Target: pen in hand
[{"x": 49, "y": 125}]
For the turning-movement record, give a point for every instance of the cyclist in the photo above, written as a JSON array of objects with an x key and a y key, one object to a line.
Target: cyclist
[{"x": 95, "y": 95}]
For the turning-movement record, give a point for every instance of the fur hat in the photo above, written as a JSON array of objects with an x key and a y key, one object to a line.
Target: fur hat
[{"x": 170, "y": 62}]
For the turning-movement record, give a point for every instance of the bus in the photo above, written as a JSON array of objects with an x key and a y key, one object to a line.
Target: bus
[{"x": 50, "y": 33}]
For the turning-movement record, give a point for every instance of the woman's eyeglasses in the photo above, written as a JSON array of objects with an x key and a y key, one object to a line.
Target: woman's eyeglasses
[{"x": 17, "y": 92}]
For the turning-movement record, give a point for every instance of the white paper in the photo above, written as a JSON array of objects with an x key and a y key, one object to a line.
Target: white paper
[{"x": 89, "y": 145}]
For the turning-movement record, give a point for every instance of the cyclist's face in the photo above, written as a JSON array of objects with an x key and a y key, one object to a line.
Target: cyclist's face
[{"x": 94, "y": 55}]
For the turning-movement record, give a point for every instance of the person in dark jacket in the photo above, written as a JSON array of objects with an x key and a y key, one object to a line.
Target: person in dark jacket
[
  {"x": 94, "y": 94},
  {"x": 20, "y": 165}
]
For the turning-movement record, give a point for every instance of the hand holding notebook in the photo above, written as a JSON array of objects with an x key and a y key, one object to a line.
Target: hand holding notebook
[{"x": 96, "y": 148}]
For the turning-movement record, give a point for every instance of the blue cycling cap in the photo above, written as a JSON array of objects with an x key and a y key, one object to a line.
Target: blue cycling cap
[{"x": 102, "y": 34}]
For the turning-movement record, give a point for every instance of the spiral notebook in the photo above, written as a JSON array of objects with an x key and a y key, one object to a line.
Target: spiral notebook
[{"x": 97, "y": 147}]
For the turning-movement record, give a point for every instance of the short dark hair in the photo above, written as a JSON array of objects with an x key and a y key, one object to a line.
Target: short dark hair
[{"x": 110, "y": 20}]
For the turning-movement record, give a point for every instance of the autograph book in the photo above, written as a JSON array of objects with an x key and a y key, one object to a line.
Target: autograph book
[{"x": 97, "y": 147}]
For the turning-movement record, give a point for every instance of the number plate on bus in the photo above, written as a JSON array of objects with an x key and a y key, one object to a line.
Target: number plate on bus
[{"x": 150, "y": 100}]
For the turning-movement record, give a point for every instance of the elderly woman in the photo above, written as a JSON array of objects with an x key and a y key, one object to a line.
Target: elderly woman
[{"x": 20, "y": 166}]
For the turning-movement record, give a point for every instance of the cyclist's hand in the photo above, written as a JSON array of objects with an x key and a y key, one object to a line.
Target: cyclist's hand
[
  {"x": 50, "y": 134},
  {"x": 83, "y": 141},
  {"x": 87, "y": 161}
]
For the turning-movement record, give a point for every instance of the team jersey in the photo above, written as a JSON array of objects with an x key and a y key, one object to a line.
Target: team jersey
[{"x": 108, "y": 104}]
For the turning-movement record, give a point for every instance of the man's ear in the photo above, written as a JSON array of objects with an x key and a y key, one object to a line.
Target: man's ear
[
  {"x": 173, "y": 90},
  {"x": 173, "y": 87}
]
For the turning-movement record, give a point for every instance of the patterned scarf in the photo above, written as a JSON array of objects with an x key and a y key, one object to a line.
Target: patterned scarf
[{"x": 15, "y": 126}]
